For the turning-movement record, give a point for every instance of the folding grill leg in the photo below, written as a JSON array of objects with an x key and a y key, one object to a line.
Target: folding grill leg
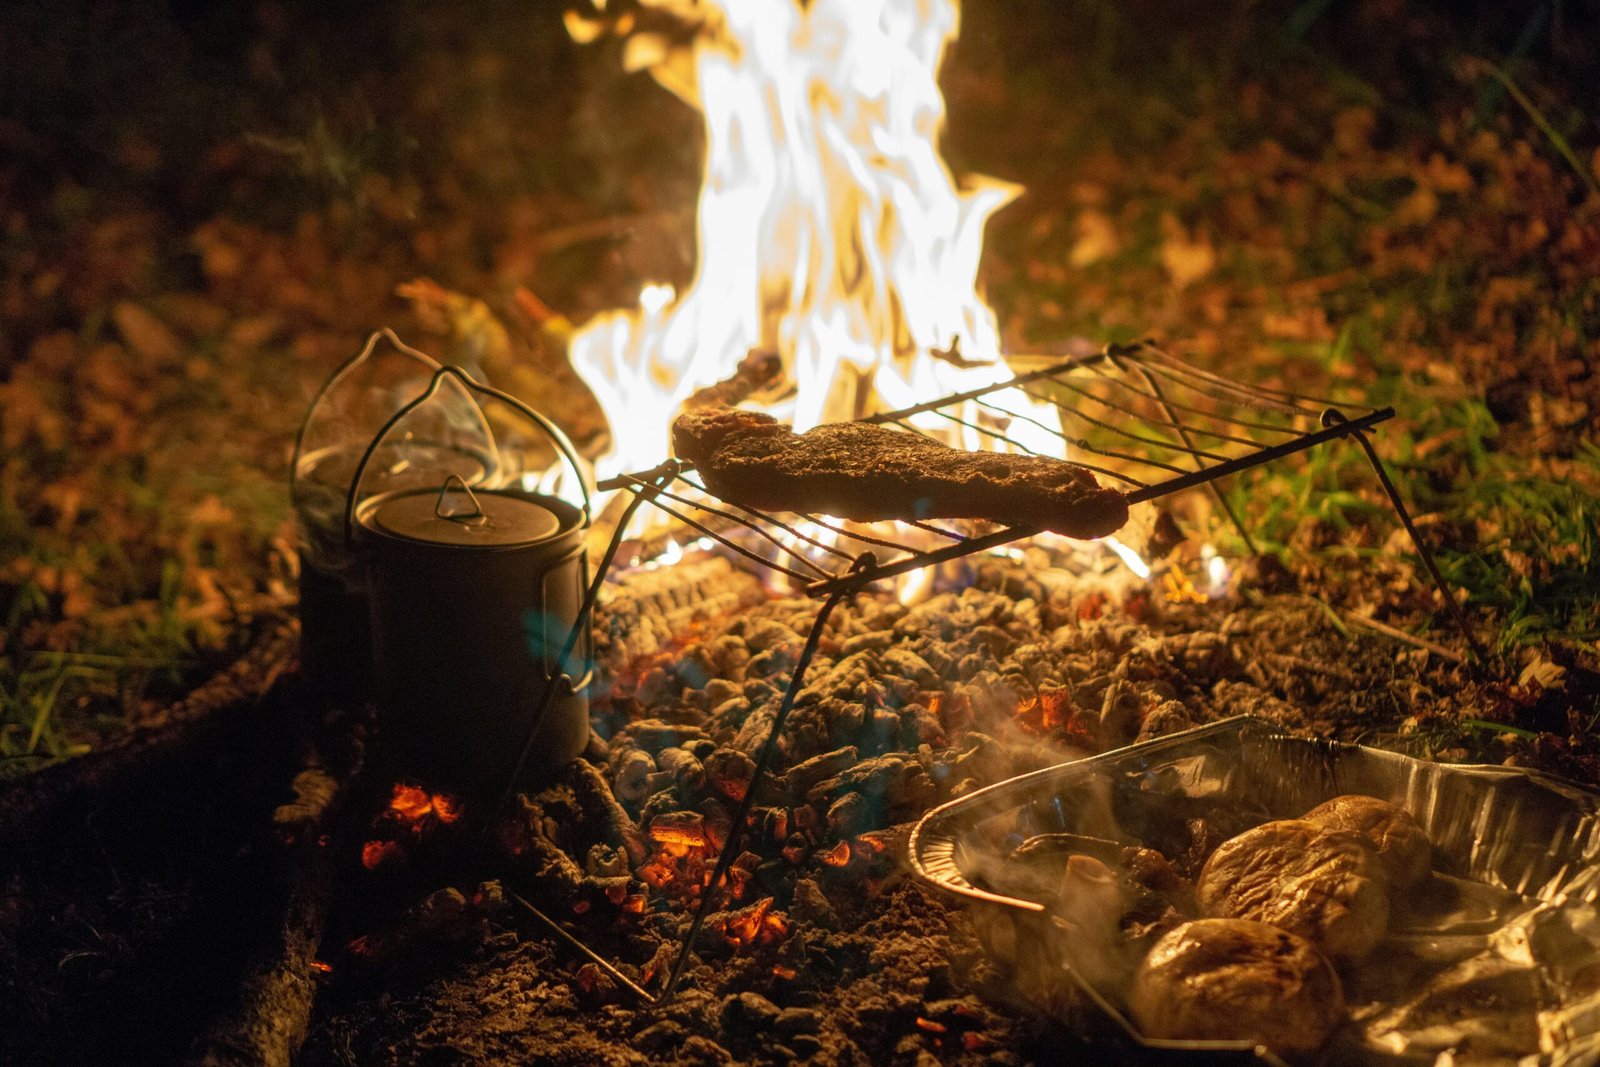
[
  {"x": 729, "y": 851},
  {"x": 1404, "y": 513},
  {"x": 1188, "y": 442},
  {"x": 768, "y": 747}
]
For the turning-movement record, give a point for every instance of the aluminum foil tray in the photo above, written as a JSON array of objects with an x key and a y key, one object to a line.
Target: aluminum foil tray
[{"x": 1495, "y": 960}]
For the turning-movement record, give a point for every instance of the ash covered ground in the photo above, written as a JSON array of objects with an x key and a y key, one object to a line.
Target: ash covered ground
[{"x": 828, "y": 951}]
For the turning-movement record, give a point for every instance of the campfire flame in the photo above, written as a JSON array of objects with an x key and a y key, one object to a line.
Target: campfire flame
[{"x": 829, "y": 229}]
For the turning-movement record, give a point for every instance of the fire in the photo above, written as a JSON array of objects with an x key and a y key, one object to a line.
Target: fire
[
  {"x": 829, "y": 228},
  {"x": 829, "y": 231}
]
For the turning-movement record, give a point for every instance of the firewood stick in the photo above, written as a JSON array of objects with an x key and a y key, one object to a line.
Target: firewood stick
[
  {"x": 1410, "y": 639},
  {"x": 37, "y": 802},
  {"x": 271, "y": 1017}
]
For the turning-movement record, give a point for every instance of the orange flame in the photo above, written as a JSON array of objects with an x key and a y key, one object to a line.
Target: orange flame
[{"x": 829, "y": 229}]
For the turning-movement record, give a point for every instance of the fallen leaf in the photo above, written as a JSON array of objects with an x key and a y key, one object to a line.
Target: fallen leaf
[
  {"x": 1187, "y": 258},
  {"x": 145, "y": 334}
]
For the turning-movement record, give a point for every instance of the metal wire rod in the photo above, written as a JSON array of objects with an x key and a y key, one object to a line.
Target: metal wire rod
[
  {"x": 919, "y": 431},
  {"x": 594, "y": 957},
  {"x": 1073, "y": 412},
  {"x": 754, "y": 527},
  {"x": 733, "y": 520},
  {"x": 1074, "y": 441},
  {"x": 1416, "y": 539},
  {"x": 1213, "y": 415},
  {"x": 996, "y": 434},
  {"x": 580, "y": 626},
  {"x": 1216, "y": 489},
  {"x": 1129, "y": 434},
  {"x": 973, "y": 394},
  {"x": 931, "y": 528},
  {"x": 1256, "y": 459},
  {"x": 898, "y": 567},
  {"x": 1008, "y": 413},
  {"x": 730, "y": 847},
  {"x": 866, "y": 539},
  {"x": 743, "y": 551},
  {"x": 1260, "y": 400},
  {"x": 1169, "y": 359}
]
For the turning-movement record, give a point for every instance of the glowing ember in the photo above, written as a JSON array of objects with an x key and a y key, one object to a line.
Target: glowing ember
[
  {"x": 410, "y": 802},
  {"x": 412, "y": 814},
  {"x": 755, "y": 925},
  {"x": 375, "y": 854},
  {"x": 416, "y": 809},
  {"x": 837, "y": 856},
  {"x": 830, "y": 230},
  {"x": 446, "y": 808},
  {"x": 682, "y": 851}
]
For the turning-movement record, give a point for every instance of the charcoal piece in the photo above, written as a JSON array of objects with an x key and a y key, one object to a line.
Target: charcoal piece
[
  {"x": 746, "y": 1013},
  {"x": 653, "y": 735},
  {"x": 730, "y": 772},
  {"x": 870, "y": 473},
  {"x": 849, "y": 815},
  {"x": 811, "y": 905},
  {"x": 597, "y": 801},
  {"x": 631, "y": 769},
  {"x": 802, "y": 776},
  {"x": 685, "y": 771}
]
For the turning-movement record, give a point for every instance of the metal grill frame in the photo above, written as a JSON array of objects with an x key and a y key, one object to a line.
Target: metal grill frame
[{"x": 1322, "y": 422}]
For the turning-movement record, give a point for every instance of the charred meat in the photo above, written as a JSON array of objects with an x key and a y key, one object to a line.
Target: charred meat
[{"x": 870, "y": 473}]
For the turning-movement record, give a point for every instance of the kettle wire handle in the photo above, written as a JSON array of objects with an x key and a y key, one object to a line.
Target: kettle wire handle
[
  {"x": 559, "y": 439},
  {"x": 343, "y": 371}
]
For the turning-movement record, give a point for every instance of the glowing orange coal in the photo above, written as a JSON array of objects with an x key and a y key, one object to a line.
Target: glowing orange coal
[
  {"x": 412, "y": 814},
  {"x": 755, "y": 925},
  {"x": 413, "y": 807},
  {"x": 682, "y": 852},
  {"x": 375, "y": 854}
]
